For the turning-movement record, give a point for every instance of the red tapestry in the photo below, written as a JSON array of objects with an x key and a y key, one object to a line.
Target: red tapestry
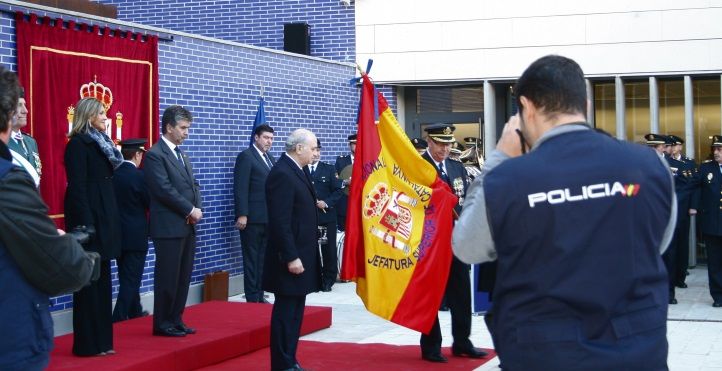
[{"x": 59, "y": 63}]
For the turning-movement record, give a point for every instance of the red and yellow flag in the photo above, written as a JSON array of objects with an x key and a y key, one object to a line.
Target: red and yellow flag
[{"x": 398, "y": 228}]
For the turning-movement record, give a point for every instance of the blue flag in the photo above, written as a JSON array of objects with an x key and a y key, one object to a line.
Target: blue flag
[{"x": 260, "y": 118}]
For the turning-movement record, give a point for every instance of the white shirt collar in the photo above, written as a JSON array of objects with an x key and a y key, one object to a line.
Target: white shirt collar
[
  {"x": 294, "y": 161},
  {"x": 168, "y": 142},
  {"x": 258, "y": 150}
]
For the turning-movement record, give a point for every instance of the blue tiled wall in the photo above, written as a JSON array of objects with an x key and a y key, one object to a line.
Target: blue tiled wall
[
  {"x": 220, "y": 84},
  {"x": 255, "y": 22}
]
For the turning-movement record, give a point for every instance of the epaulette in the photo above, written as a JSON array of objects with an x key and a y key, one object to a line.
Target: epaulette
[{"x": 706, "y": 161}]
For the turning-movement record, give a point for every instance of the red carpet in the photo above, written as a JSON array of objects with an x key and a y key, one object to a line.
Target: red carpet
[
  {"x": 225, "y": 330},
  {"x": 319, "y": 356}
]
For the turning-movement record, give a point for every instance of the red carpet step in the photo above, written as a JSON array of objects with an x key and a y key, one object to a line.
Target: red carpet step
[
  {"x": 320, "y": 356},
  {"x": 225, "y": 330}
]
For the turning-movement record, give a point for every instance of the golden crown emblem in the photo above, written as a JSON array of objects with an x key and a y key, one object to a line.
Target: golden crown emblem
[
  {"x": 98, "y": 91},
  {"x": 447, "y": 130},
  {"x": 376, "y": 200}
]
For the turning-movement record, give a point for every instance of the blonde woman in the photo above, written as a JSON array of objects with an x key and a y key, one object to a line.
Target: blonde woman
[{"x": 90, "y": 159}]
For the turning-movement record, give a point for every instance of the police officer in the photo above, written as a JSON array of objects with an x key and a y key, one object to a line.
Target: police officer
[
  {"x": 420, "y": 145},
  {"x": 456, "y": 150},
  {"x": 458, "y": 287},
  {"x": 710, "y": 218},
  {"x": 328, "y": 191},
  {"x": 686, "y": 182},
  {"x": 131, "y": 193},
  {"x": 341, "y": 163},
  {"x": 23, "y": 147},
  {"x": 576, "y": 233}
]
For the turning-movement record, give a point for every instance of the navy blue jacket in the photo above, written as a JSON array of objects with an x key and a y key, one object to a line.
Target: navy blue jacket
[
  {"x": 578, "y": 229},
  {"x": 709, "y": 212},
  {"x": 328, "y": 189},
  {"x": 292, "y": 212},
  {"x": 457, "y": 180},
  {"x": 686, "y": 182},
  {"x": 339, "y": 165},
  {"x": 133, "y": 203}
]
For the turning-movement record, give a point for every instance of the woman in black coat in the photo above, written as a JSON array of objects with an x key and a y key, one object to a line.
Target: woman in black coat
[{"x": 90, "y": 159}]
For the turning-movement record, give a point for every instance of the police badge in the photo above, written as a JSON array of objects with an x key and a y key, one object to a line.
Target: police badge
[
  {"x": 709, "y": 177},
  {"x": 459, "y": 189}
]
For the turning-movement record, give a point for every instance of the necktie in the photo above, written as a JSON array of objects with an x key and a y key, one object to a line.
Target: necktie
[
  {"x": 442, "y": 173},
  {"x": 268, "y": 160},
  {"x": 313, "y": 169},
  {"x": 180, "y": 157}
]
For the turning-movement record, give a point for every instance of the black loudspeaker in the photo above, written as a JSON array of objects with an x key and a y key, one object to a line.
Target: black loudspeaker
[{"x": 297, "y": 38}]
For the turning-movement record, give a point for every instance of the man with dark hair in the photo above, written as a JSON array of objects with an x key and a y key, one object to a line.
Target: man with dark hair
[
  {"x": 249, "y": 195},
  {"x": 577, "y": 235},
  {"x": 175, "y": 209},
  {"x": 133, "y": 202},
  {"x": 23, "y": 147},
  {"x": 36, "y": 260}
]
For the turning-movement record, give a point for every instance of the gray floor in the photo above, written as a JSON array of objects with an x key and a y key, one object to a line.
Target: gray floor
[{"x": 694, "y": 327}]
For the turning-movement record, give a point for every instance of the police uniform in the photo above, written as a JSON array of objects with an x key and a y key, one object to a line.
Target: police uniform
[
  {"x": 133, "y": 202},
  {"x": 709, "y": 219},
  {"x": 686, "y": 182},
  {"x": 328, "y": 190},
  {"x": 339, "y": 165},
  {"x": 458, "y": 286}
]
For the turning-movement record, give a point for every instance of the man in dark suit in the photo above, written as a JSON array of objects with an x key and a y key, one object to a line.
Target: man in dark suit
[
  {"x": 710, "y": 218},
  {"x": 341, "y": 163},
  {"x": 175, "y": 209},
  {"x": 458, "y": 287},
  {"x": 687, "y": 180},
  {"x": 292, "y": 263},
  {"x": 249, "y": 181},
  {"x": 328, "y": 191},
  {"x": 133, "y": 202}
]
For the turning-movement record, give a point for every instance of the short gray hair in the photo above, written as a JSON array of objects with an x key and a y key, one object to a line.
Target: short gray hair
[{"x": 298, "y": 136}]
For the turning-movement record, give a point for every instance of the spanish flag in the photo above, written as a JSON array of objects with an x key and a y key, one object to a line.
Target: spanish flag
[{"x": 398, "y": 228}]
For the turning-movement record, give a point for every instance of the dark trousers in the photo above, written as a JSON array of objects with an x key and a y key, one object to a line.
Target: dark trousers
[
  {"x": 253, "y": 246},
  {"x": 92, "y": 322},
  {"x": 330, "y": 258},
  {"x": 714, "y": 265},
  {"x": 171, "y": 278},
  {"x": 682, "y": 249},
  {"x": 458, "y": 299},
  {"x": 670, "y": 261},
  {"x": 286, "y": 319},
  {"x": 130, "y": 273}
]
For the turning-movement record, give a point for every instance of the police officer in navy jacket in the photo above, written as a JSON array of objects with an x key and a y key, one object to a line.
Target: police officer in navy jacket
[
  {"x": 577, "y": 226},
  {"x": 133, "y": 199},
  {"x": 341, "y": 163},
  {"x": 328, "y": 191},
  {"x": 458, "y": 286},
  {"x": 710, "y": 218}
]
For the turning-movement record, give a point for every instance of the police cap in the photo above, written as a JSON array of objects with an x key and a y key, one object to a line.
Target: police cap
[
  {"x": 419, "y": 143},
  {"x": 457, "y": 148},
  {"x": 655, "y": 139},
  {"x": 676, "y": 139},
  {"x": 352, "y": 138},
  {"x": 442, "y": 133},
  {"x": 133, "y": 143},
  {"x": 716, "y": 141}
]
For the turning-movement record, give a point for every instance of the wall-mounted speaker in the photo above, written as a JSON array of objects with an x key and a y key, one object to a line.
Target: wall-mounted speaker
[{"x": 297, "y": 38}]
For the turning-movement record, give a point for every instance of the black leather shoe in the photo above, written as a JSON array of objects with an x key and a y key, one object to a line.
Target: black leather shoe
[
  {"x": 471, "y": 352},
  {"x": 717, "y": 304},
  {"x": 169, "y": 332},
  {"x": 186, "y": 329},
  {"x": 682, "y": 285},
  {"x": 434, "y": 357},
  {"x": 673, "y": 301},
  {"x": 326, "y": 288}
]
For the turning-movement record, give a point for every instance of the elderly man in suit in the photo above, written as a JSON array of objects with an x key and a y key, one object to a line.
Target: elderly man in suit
[
  {"x": 133, "y": 202},
  {"x": 292, "y": 264},
  {"x": 175, "y": 209},
  {"x": 249, "y": 181},
  {"x": 458, "y": 287}
]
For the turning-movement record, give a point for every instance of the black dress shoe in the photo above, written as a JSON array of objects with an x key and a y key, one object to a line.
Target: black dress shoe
[
  {"x": 169, "y": 332},
  {"x": 326, "y": 287},
  {"x": 717, "y": 304},
  {"x": 682, "y": 285},
  {"x": 186, "y": 329},
  {"x": 434, "y": 357},
  {"x": 673, "y": 301},
  {"x": 471, "y": 352}
]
